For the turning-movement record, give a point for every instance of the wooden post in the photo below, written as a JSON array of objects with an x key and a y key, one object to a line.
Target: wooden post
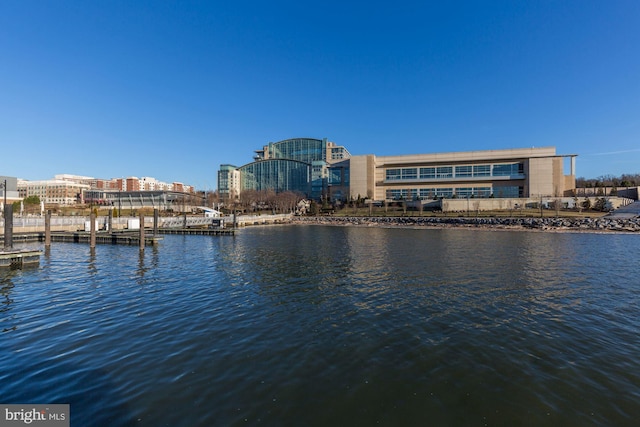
[
  {"x": 92, "y": 228},
  {"x": 156, "y": 221},
  {"x": 8, "y": 225},
  {"x": 47, "y": 229},
  {"x": 110, "y": 221},
  {"x": 141, "y": 232},
  {"x": 184, "y": 221}
]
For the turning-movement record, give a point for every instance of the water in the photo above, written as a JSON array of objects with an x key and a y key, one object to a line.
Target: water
[{"x": 312, "y": 325}]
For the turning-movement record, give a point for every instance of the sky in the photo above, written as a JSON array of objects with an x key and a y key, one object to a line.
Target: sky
[{"x": 173, "y": 89}]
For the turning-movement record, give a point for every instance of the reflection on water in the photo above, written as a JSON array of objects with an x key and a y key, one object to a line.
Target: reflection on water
[{"x": 309, "y": 325}]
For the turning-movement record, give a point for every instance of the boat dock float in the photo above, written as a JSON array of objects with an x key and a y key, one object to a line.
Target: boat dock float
[{"x": 18, "y": 258}]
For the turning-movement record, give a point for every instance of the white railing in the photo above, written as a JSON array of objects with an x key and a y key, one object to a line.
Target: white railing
[{"x": 164, "y": 222}]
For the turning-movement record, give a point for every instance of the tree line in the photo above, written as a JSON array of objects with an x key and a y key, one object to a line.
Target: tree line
[
  {"x": 254, "y": 201},
  {"x": 624, "y": 180}
]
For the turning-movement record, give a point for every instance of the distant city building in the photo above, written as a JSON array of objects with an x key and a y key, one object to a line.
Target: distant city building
[
  {"x": 319, "y": 169},
  {"x": 53, "y": 191},
  {"x": 66, "y": 189},
  {"x": 131, "y": 183}
]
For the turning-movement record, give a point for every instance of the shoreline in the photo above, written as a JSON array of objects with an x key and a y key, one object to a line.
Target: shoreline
[{"x": 602, "y": 225}]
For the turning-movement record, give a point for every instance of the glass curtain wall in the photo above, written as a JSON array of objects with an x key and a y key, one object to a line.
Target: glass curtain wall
[
  {"x": 278, "y": 175},
  {"x": 303, "y": 149}
]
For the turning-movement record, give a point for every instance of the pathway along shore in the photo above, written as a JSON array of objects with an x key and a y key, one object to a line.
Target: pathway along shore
[{"x": 601, "y": 225}]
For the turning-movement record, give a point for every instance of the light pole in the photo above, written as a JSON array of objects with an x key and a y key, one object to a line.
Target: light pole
[
  {"x": 467, "y": 205},
  {"x": 4, "y": 191},
  {"x": 8, "y": 218}
]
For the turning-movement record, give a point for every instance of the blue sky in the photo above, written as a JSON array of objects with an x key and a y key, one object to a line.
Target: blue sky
[{"x": 174, "y": 89}]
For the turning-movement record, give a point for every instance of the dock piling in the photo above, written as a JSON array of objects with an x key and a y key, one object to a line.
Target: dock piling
[
  {"x": 8, "y": 225},
  {"x": 142, "y": 241},
  {"x": 156, "y": 220},
  {"x": 47, "y": 229},
  {"x": 92, "y": 227}
]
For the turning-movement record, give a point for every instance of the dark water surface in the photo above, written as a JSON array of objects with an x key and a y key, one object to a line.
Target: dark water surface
[{"x": 312, "y": 325}]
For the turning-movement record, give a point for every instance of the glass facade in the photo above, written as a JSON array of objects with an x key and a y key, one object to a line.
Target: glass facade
[
  {"x": 225, "y": 178},
  {"x": 510, "y": 169},
  {"x": 298, "y": 164},
  {"x": 301, "y": 149},
  {"x": 276, "y": 174},
  {"x": 508, "y": 191},
  {"x": 449, "y": 192},
  {"x": 513, "y": 170}
]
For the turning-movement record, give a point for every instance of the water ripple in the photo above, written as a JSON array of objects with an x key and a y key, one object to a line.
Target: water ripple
[{"x": 329, "y": 325}]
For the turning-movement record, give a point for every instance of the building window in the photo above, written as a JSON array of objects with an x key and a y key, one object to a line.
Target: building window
[
  {"x": 482, "y": 170},
  {"x": 402, "y": 194},
  {"x": 508, "y": 169},
  {"x": 427, "y": 193},
  {"x": 427, "y": 173},
  {"x": 409, "y": 173},
  {"x": 463, "y": 171},
  {"x": 482, "y": 191},
  {"x": 444, "y": 172},
  {"x": 508, "y": 192},
  {"x": 464, "y": 192},
  {"x": 445, "y": 193},
  {"x": 394, "y": 174}
]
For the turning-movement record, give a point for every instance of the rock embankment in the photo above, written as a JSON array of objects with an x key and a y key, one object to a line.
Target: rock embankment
[{"x": 603, "y": 224}]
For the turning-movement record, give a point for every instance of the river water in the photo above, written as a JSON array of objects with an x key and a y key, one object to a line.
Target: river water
[{"x": 316, "y": 325}]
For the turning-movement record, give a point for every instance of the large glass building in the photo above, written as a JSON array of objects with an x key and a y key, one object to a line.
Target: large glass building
[
  {"x": 301, "y": 165},
  {"x": 321, "y": 169}
]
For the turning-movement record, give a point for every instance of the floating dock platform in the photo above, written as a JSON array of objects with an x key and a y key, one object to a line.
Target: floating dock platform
[
  {"x": 19, "y": 258},
  {"x": 198, "y": 231},
  {"x": 115, "y": 238}
]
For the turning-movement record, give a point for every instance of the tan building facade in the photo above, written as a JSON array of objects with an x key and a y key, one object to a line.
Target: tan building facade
[{"x": 511, "y": 173}]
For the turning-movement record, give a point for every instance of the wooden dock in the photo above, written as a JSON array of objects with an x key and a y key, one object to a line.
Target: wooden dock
[
  {"x": 118, "y": 237},
  {"x": 19, "y": 258},
  {"x": 198, "y": 231},
  {"x": 115, "y": 238}
]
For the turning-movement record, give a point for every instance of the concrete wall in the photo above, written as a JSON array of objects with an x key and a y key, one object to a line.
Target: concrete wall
[
  {"x": 362, "y": 175},
  {"x": 540, "y": 175},
  {"x": 461, "y": 205},
  {"x": 630, "y": 193}
]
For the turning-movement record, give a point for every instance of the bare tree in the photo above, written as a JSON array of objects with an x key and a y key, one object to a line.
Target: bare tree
[
  {"x": 212, "y": 198},
  {"x": 248, "y": 199}
]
